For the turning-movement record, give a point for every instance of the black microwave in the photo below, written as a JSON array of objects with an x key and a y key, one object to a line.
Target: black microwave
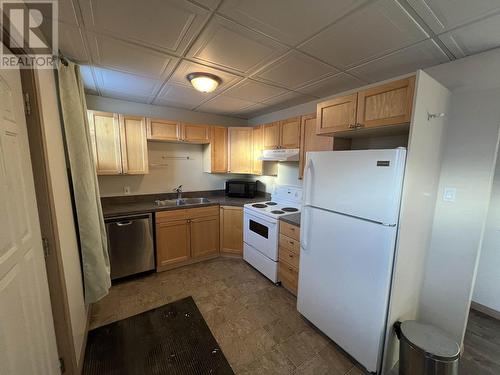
[{"x": 241, "y": 188}]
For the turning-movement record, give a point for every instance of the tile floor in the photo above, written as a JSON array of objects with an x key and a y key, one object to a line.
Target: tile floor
[{"x": 255, "y": 322}]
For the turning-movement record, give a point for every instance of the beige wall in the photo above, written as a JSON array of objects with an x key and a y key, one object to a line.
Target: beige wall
[
  {"x": 487, "y": 288},
  {"x": 171, "y": 173},
  {"x": 99, "y": 103},
  {"x": 63, "y": 207}
]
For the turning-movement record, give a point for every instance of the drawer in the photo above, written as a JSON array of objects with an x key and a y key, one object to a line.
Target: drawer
[
  {"x": 289, "y": 257},
  {"x": 186, "y": 213},
  {"x": 204, "y": 211},
  {"x": 290, "y": 230},
  {"x": 289, "y": 277},
  {"x": 162, "y": 216},
  {"x": 289, "y": 243}
]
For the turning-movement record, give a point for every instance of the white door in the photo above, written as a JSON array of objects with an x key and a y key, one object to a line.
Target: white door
[
  {"x": 27, "y": 339},
  {"x": 344, "y": 280},
  {"x": 364, "y": 183}
]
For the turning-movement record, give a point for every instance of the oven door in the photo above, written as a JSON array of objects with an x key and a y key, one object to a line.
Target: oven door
[{"x": 261, "y": 233}]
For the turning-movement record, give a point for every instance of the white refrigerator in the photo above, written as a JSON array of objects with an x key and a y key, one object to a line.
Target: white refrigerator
[{"x": 349, "y": 223}]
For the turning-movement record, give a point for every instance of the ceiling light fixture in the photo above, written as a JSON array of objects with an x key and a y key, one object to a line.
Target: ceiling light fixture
[{"x": 204, "y": 82}]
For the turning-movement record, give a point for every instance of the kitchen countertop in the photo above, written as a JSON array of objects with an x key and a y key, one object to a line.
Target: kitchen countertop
[
  {"x": 293, "y": 219},
  {"x": 138, "y": 204}
]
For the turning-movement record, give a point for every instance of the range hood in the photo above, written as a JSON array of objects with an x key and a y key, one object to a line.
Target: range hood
[{"x": 291, "y": 154}]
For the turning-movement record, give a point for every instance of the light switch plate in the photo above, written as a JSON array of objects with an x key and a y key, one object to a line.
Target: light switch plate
[
  {"x": 449, "y": 194},
  {"x": 126, "y": 190}
]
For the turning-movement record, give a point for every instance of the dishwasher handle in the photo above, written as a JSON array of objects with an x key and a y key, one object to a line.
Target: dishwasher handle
[{"x": 123, "y": 223}]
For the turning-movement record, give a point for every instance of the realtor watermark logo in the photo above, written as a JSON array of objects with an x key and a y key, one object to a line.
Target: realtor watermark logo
[{"x": 29, "y": 34}]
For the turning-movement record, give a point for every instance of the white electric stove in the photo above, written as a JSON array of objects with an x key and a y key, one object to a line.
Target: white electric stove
[{"x": 261, "y": 228}]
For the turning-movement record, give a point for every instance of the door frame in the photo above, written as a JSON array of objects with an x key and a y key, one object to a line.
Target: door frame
[{"x": 70, "y": 364}]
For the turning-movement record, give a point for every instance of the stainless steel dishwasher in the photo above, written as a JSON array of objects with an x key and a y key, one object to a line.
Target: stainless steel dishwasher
[{"x": 130, "y": 245}]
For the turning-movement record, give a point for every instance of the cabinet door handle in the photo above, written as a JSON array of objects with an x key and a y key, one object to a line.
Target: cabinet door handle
[
  {"x": 358, "y": 125},
  {"x": 351, "y": 126}
]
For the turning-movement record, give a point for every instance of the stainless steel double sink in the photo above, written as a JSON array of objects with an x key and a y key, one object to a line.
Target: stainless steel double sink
[{"x": 180, "y": 202}]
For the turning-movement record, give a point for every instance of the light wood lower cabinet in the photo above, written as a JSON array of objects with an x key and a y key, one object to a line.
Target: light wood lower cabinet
[
  {"x": 204, "y": 236},
  {"x": 289, "y": 256},
  {"x": 172, "y": 242},
  {"x": 231, "y": 230},
  {"x": 186, "y": 236}
]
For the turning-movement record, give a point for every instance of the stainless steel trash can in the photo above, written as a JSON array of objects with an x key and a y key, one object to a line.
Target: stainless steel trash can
[{"x": 426, "y": 350}]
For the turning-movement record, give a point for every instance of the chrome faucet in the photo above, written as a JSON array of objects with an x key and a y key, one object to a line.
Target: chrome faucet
[{"x": 178, "y": 190}]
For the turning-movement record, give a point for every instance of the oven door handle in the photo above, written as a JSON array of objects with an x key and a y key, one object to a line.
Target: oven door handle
[{"x": 258, "y": 218}]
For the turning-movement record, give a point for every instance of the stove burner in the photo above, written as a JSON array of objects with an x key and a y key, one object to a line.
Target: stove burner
[
  {"x": 290, "y": 209},
  {"x": 271, "y": 203},
  {"x": 259, "y": 205},
  {"x": 277, "y": 212}
]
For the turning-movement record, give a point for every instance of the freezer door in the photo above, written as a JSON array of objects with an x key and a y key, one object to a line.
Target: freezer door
[
  {"x": 344, "y": 281},
  {"x": 364, "y": 184}
]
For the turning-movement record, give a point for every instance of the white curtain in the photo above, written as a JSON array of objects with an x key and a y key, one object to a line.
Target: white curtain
[{"x": 93, "y": 241}]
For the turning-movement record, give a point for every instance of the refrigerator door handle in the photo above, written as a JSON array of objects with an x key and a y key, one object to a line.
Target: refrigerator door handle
[
  {"x": 308, "y": 172},
  {"x": 305, "y": 228}
]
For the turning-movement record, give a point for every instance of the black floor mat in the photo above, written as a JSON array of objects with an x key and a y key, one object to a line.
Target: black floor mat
[{"x": 173, "y": 339}]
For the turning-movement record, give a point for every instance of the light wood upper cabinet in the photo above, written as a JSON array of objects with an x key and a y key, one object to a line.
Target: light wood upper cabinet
[
  {"x": 388, "y": 104},
  {"x": 231, "y": 230},
  {"x": 195, "y": 133},
  {"x": 310, "y": 141},
  {"x": 205, "y": 236},
  {"x": 240, "y": 150},
  {"x": 336, "y": 115},
  {"x": 290, "y": 133},
  {"x": 215, "y": 153},
  {"x": 379, "y": 106},
  {"x": 134, "y": 147},
  {"x": 163, "y": 130},
  {"x": 271, "y": 137},
  {"x": 172, "y": 242},
  {"x": 257, "y": 139},
  {"x": 106, "y": 142}
]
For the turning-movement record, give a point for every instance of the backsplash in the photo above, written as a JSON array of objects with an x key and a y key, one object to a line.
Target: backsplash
[{"x": 173, "y": 164}]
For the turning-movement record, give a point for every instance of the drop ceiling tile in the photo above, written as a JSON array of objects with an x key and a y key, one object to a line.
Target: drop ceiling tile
[
  {"x": 253, "y": 110},
  {"x": 332, "y": 85},
  {"x": 186, "y": 67},
  {"x": 126, "y": 96},
  {"x": 181, "y": 96},
  {"x": 224, "y": 104},
  {"x": 66, "y": 12},
  {"x": 441, "y": 15},
  {"x": 131, "y": 58},
  {"x": 288, "y": 99},
  {"x": 167, "y": 25},
  {"x": 71, "y": 43},
  {"x": 419, "y": 56},
  {"x": 210, "y": 4},
  {"x": 230, "y": 46},
  {"x": 295, "y": 69},
  {"x": 253, "y": 91},
  {"x": 289, "y": 21},
  {"x": 124, "y": 83},
  {"x": 88, "y": 79},
  {"x": 476, "y": 37},
  {"x": 372, "y": 31}
]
